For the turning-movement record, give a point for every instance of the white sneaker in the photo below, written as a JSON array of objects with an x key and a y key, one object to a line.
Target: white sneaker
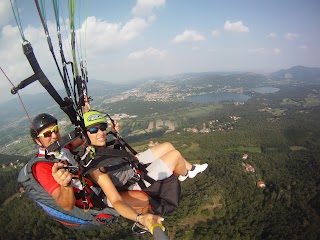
[
  {"x": 198, "y": 169},
  {"x": 182, "y": 178}
]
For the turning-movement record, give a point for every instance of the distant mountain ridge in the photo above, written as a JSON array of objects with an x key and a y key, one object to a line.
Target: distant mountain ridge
[
  {"x": 298, "y": 73},
  {"x": 36, "y": 103}
]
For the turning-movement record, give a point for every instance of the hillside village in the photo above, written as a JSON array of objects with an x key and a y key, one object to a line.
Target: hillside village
[
  {"x": 17, "y": 164},
  {"x": 214, "y": 125},
  {"x": 172, "y": 89},
  {"x": 251, "y": 170}
]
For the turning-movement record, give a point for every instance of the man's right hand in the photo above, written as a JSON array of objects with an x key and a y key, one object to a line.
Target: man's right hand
[
  {"x": 61, "y": 175},
  {"x": 64, "y": 194}
]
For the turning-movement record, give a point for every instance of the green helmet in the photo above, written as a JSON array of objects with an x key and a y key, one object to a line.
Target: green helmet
[{"x": 93, "y": 117}]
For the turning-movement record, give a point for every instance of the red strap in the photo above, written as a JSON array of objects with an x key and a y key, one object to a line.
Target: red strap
[{"x": 101, "y": 218}]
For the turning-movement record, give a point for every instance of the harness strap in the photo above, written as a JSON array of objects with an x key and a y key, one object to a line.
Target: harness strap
[
  {"x": 84, "y": 198},
  {"x": 66, "y": 106},
  {"x": 139, "y": 168},
  {"x": 103, "y": 154},
  {"x": 120, "y": 139},
  {"x": 113, "y": 153},
  {"x": 115, "y": 143},
  {"x": 116, "y": 167},
  {"x": 65, "y": 140}
]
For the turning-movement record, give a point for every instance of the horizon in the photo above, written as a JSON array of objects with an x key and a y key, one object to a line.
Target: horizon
[{"x": 136, "y": 81}]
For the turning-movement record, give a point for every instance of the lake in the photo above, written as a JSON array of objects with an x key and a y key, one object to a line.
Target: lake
[
  {"x": 265, "y": 90},
  {"x": 218, "y": 97},
  {"x": 229, "y": 96}
]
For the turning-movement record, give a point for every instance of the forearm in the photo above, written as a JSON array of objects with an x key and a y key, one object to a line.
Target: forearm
[
  {"x": 65, "y": 198},
  {"x": 125, "y": 210},
  {"x": 64, "y": 194},
  {"x": 119, "y": 204},
  {"x": 114, "y": 197}
]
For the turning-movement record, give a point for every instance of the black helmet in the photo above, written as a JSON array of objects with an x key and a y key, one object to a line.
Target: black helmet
[{"x": 40, "y": 122}]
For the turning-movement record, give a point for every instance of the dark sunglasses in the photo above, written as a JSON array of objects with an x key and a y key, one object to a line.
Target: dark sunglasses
[
  {"x": 103, "y": 127},
  {"x": 48, "y": 133}
]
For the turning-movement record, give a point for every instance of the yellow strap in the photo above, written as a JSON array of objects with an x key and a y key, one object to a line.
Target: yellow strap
[{"x": 157, "y": 225}]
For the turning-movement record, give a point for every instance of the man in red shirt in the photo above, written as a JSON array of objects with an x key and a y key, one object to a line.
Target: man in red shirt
[{"x": 52, "y": 176}]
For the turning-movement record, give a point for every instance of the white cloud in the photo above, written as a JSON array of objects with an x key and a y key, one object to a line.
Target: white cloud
[
  {"x": 133, "y": 28},
  {"x": 5, "y": 12},
  {"x": 235, "y": 27},
  {"x": 15, "y": 63},
  {"x": 264, "y": 51},
  {"x": 257, "y": 50},
  {"x": 11, "y": 53},
  {"x": 303, "y": 47},
  {"x": 104, "y": 36},
  {"x": 276, "y": 51},
  {"x": 272, "y": 35},
  {"x": 215, "y": 33},
  {"x": 291, "y": 36},
  {"x": 149, "y": 52},
  {"x": 101, "y": 37},
  {"x": 189, "y": 36},
  {"x": 146, "y": 7}
]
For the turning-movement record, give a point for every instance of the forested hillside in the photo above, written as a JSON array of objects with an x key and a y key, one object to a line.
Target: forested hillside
[{"x": 280, "y": 132}]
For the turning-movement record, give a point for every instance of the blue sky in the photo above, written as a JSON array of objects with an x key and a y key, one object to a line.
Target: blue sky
[{"x": 129, "y": 40}]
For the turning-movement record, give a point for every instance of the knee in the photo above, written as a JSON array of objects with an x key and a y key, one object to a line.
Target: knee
[
  {"x": 175, "y": 154},
  {"x": 168, "y": 146},
  {"x": 135, "y": 198},
  {"x": 138, "y": 200}
]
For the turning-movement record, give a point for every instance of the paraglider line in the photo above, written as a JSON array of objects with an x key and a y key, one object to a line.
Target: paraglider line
[{"x": 23, "y": 106}]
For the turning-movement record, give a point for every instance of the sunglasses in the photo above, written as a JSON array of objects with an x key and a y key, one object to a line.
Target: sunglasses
[
  {"x": 103, "y": 127},
  {"x": 48, "y": 133}
]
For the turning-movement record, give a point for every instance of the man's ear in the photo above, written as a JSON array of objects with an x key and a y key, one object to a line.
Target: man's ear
[{"x": 36, "y": 140}]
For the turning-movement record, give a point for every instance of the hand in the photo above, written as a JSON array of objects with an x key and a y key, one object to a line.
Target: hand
[
  {"x": 115, "y": 126},
  {"x": 148, "y": 220},
  {"x": 61, "y": 175},
  {"x": 86, "y": 106}
]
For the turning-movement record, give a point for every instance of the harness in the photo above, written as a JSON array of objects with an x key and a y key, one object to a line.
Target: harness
[
  {"x": 77, "y": 218},
  {"x": 126, "y": 170},
  {"x": 87, "y": 194}
]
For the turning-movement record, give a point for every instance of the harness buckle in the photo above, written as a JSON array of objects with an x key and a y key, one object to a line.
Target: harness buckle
[
  {"x": 86, "y": 205},
  {"x": 135, "y": 177}
]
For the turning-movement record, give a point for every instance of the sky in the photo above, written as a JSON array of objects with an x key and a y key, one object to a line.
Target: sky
[{"x": 123, "y": 41}]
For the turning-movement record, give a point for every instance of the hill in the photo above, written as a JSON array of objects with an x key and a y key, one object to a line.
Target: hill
[
  {"x": 180, "y": 83},
  {"x": 6, "y": 159},
  {"x": 148, "y": 100},
  {"x": 42, "y": 102},
  {"x": 279, "y": 131},
  {"x": 299, "y": 74}
]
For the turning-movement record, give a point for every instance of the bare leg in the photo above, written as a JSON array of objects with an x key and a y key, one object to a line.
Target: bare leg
[
  {"x": 175, "y": 162},
  {"x": 161, "y": 150},
  {"x": 137, "y": 200}
]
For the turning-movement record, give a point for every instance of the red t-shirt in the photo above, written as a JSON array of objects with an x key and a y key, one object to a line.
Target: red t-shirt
[{"x": 42, "y": 171}]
